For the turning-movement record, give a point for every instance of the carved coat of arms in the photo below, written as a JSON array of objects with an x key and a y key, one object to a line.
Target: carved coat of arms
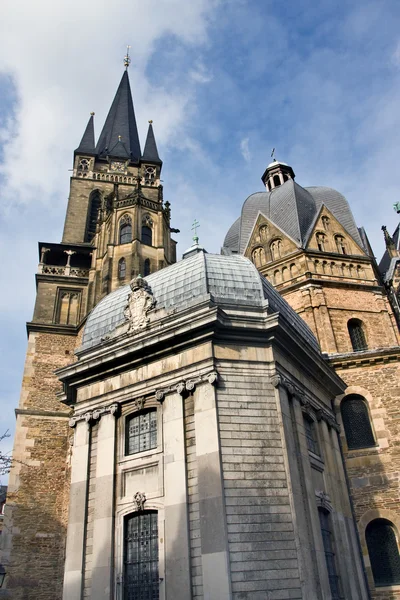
[{"x": 140, "y": 302}]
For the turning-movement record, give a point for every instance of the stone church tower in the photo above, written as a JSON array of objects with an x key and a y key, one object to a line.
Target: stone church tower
[
  {"x": 117, "y": 226},
  {"x": 306, "y": 243}
]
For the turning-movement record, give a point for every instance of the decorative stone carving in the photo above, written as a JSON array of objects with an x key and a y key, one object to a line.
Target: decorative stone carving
[
  {"x": 139, "y": 403},
  {"x": 140, "y": 302},
  {"x": 160, "y": 396},
  {"x": 73, "y": 421},
  {"x": 139, "y": 499},
  {"x": 190, "y": 385},
  {"x": 276, "y": 380},
  {"x": 212, "y": 378},
  {"x": 323, "y": 500},
  {"x": 114, "y": 409},
  {"x": 180, "y": 388}
]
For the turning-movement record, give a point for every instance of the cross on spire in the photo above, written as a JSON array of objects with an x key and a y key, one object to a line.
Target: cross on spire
[
  {"x": 127, "y": 58},
  {"x": 195, "y": 226},
  {"x": 273, "y": 153}
]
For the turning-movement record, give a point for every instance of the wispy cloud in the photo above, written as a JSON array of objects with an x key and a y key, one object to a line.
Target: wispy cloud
[{"x": 244, "y": 148}]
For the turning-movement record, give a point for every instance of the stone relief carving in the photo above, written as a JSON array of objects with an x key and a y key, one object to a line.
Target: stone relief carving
[
  {"x": 187, "y": 386},
  {"x": 139, "y": 499},
  {"x": 139, "y": 403},
  {"x": 91, "y": 416},
  {"x": 323, "y": 500},
  {"x": 140, "y": 302}
]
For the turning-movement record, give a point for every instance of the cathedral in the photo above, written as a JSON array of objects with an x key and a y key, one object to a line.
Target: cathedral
[{"x": 222, "y": 427}]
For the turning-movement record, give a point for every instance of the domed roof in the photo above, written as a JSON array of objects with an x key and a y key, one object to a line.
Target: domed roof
[
  {"x": 293, "y": 209},
  {"x": 227, "y": 280}
]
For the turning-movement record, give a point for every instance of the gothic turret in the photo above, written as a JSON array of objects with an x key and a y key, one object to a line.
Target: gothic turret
[
  {"x": 150, "y": 153},
  {"x": 87, "y": 142}
]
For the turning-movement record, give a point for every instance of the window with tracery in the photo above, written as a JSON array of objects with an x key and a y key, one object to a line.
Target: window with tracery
[
  {"x": 121, "y": 268},
  {"x": 141, "y": 577},
  {"x": 340, "y": 244},
  {"x": 357, "y": 335},
  {"x": 327, "y": 538},
  {"x": 84, "y": 164},
  {"x": 92, "y": 216},
  {"x": 356, "y": 422},
  {"x": 125, "y": 230},
  {"x": 149, "y": 175},
  {"x": 383, "y": 552},
  {"x": 141, "y": 432}
]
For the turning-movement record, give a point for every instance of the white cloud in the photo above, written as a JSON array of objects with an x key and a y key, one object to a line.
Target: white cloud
[
  {"x": 244, "y": 148},
  {"x": 200, "y": 73}
]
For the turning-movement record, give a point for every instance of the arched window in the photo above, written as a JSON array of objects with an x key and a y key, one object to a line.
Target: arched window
[
  {"x": 277, "y": 180},
  {"x": 276, "y": 249},
  {"x": 121, "y": 268},
  {"x": 340, "y": 245},
  {"x": 383, "y": 552},
  {"x": 92, "y": 216},
  {"x": 141, "y": 577},
  {"x": 311, "y": 434},
  {"x": 325, "y": 222},
  {"x": 357, "y": 336},
  {"x": 356, "y": 422},
  {"x": 263, "y": 231},
  {"x": 327, "y": 538},
  {"x": 146, "y": 267},
  {"x": 320, "y": 241},
  {"x": 141, "y": 432},
  {"x": 147, "y": 235},
  {"x": 125, "y": 230}
]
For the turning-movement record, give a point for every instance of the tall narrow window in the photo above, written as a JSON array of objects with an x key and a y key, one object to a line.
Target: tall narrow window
[
  {"x": 141, "y": 432},
  {"x": 327, "y": 538},
  {"x": 311, "y": 437},
  {"x": 146, "y": 268},
  {"x": 93, "y": 212},
  {"x": 147, "y": 235},
  {"x": 121, "y": 268},
  {"x": 357, "y": 335},
  {"x": 320, "y": 242},
  {"x": 383, "y": 552},
  {"x": 275, "y": 248},
  {"x": 141, "y": 578},
  {"x": 277, "y": 180},
  {"x": 341, "y": 248},
  {"x": 356, "y": 422},
  {"x": 125, "y": 230}
]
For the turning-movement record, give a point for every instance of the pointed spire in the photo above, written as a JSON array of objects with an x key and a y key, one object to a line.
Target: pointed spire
[
  {"x": 119, "y": 137},
  {"x": 150, "y": 153},
  {"x": 87, "y": 142}
]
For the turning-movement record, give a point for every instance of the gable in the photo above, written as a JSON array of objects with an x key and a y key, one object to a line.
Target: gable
[
  {"x": 268, "y": 242},
  {"x": 328, "y": 235}
]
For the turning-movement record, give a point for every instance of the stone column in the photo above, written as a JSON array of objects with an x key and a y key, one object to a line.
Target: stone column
[
  {"x": 177, "y": 566},
  {"x": 77, "y": 513},
  {"x": 103, "y": 522},
  {"x": 213, "y": 529}
]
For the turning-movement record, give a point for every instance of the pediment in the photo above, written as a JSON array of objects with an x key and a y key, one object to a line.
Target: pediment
[
  {"x": 328, "y": 235},
  {"x": 268, "y": 243}
]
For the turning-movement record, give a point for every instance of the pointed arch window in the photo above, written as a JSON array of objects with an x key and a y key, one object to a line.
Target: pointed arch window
[
  {"x": 141, "y": 576},
  {"x": 125, "y": 230},
  {"x": 146, "y": 268},
  {"x": 121, "y": 268},
  {"x": 147, "y": 231},
  {"x": 356, "y": 422},
  {"x": 357, "y": 335},
  {"x": 92, "y": 216},
  {"x": 383, "y": 552}
]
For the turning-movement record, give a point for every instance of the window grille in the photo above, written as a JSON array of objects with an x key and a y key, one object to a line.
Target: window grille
[
  {"x": 311, "y": 439},
  {"x": 93, "y": 212},
  {"x": 356, "y": 422},
  {"x": 383, "y": 552},
  {"x": 141, "y": 432},
  {"x": 122, "y": 268},
  {"x": 147, "y": 235},
  {"x": 141, "y": 578},
  {"x": 357, "y": 335},
  {"x": 324, "y": 519}
]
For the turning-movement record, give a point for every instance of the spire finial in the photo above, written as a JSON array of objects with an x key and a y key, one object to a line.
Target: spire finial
[
  {"x": 92, "y": 114},
  {"x": 195, "y": 226},
  {"x": 127, "y": 58},
  {"x": 151, "y": 121}
]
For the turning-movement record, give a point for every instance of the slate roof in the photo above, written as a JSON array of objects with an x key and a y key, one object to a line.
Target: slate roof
[
  {"x": 119, "y": 137},
  {"x": 87, "y": 142},
  {"x": 294, "y": 210},
  {"x": 230, "y": 280},
  {"x": 150, "y": 152}
]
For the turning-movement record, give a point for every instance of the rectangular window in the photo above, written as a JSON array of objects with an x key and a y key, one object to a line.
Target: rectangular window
[
  {"x": 312, "y": 443},
  {"x": 141, "y": 434}
]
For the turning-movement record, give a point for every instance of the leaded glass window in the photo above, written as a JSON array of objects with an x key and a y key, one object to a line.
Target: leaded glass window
[
  {"x": 141, "y": 432},
  {"x": 383, "y": 552},
  {"x": 93, "y": 212},
  {"x": 141, "y": 578},
  {"x": 122, "y": 268},
  {"x": 357, "y": 335},
  {"x": 325, "y": 523},
  {"x": 356, "y": 423},
  {"x": 147, "y": 235},
  {"x": 311, "y": 439},
  {"x": 125, "y": 233}
]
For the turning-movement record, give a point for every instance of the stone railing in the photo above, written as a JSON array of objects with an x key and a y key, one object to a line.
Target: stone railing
[{"x": 66, "y": 271}]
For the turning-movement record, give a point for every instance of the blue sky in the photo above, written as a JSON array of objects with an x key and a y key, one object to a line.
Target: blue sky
[{"x": 224, "y": 82}]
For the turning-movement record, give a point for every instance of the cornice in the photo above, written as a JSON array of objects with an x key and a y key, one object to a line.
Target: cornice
[
  {"x": 54, "y": 328},
  {"x": 351, "y": 360}
]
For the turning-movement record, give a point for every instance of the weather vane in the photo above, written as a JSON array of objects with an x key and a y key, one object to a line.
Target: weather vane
[
  {"x": 273, "y": 153},
  {"x": 127, "y": 58},
  {"x": 194, "y": 228}
]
